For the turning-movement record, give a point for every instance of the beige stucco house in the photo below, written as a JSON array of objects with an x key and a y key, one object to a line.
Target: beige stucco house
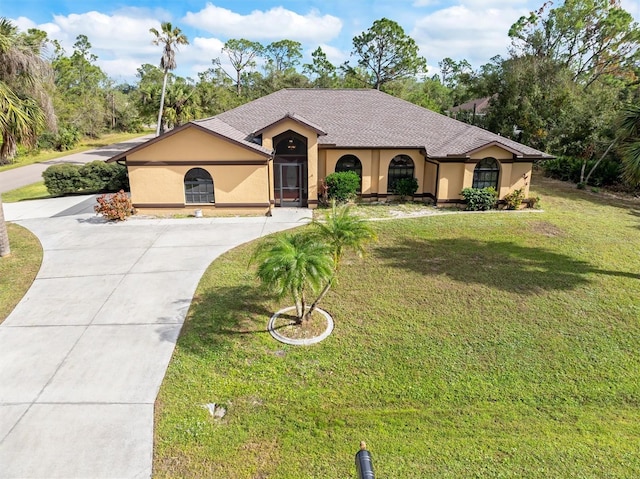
[{"x": 275, "y": 151}]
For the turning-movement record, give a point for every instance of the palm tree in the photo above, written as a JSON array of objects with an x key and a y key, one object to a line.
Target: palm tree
[
  {"x": 169, "y": 37},
  {"x": 630, "y": 128},
  {"x": 293, "y": 265},
  {"x": 25, "y": 104},
  {"x": 340, "y": 229}
]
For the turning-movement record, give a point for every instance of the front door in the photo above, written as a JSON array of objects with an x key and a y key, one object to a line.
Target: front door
[{"x": 290, "y": 184}]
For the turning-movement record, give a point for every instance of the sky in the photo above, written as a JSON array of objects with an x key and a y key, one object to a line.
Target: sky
[{"x": 118, "y": 30}]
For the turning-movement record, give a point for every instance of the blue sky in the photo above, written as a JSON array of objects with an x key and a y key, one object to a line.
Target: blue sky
[{"x": 474, "y": 30}]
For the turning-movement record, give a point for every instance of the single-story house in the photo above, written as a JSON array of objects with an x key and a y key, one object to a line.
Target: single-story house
[{"x": 275, "y": 151}]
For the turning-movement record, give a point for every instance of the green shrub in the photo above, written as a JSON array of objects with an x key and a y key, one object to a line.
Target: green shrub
[
  {"x": 567, "y": 168},
  {"x": 65, "y": 139},
  {"x": 62, "y": 179},
  {"x": 480, "y": 199},
  {"x": 514, "y": 199},
  {"x": 101, "y": 176},
  {"x": 406, "y": 187},
  {"x": 68, "y": 178},
  {"x": 115, "y": 206},
  {"x": 342, "y": 186}
]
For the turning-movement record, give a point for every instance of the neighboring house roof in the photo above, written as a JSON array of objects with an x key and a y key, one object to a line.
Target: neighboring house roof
[
  {"x": 369, "y": 118},
  {"x": 479, "y": 104}
]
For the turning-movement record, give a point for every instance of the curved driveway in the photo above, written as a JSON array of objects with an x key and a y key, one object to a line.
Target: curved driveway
[{"x": 83, "y": 354}]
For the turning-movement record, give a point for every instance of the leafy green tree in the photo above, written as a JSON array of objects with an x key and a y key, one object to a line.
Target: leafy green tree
[
  {"x": 592, "y": 38},
  {"x": 283, "y": 55},
  {"x": 387, "y": 53},
  {"x": 25, "y": 79},
  {"x": 81, "y": 88},
  {"x": 321, "y": 69},
  {"x": 169, "y": 37},
  {"x": 242, "y": 54},
  {"x": 294, "y": 265}
]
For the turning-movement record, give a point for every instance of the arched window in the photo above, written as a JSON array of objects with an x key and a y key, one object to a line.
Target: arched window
[
  {"x": 400, "y": 167},
  {"x": 486, "y": 173},
  {"x": 350, "y": 163},
  {"x": 198, "y": 186}
]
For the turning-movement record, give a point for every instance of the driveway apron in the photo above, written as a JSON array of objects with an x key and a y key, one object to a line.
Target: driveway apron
[{"x": 83, "y": 354}]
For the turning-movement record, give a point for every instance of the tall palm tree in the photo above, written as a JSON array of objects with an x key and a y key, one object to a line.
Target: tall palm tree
[
  {"x": 294, "y": 265},
  {"x": 630, "y": 129},
  {"x": 25, "y": 77},
  {"x": 341, "y": 230},
  {"x": 170, "y": 37}
]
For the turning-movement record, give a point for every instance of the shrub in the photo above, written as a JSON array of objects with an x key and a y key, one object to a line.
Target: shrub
[
  {"x": 62, "y": 179},
  {"x": 65, "y": 139},
  {"x": 67, "y": 178},
  {"x": 342, "y": 186},
  {"x": 101, "y": 176},
  {"x": 514, "y": 199},
  {"x": 406, "y": 187},
  {"x": 480, "y": 199},
  {"x": 533, "y": 202},
  {"x": 567, "y": 168},
  {"x": 115, "y": 206}
]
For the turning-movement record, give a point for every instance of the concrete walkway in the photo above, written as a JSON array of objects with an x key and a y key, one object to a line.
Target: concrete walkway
[
  {"x": 27, "y": 175},
  {"x": 83, "y": 354}
]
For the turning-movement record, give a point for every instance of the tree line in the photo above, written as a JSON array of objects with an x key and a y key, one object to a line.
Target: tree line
[{"x": 568, "y": 85}]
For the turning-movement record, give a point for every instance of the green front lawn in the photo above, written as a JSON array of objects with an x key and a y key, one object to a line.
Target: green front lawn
[
  {"x": 35, "y": 191},
  {"x": 483, "y": 345},
  {"x": 19, "y": 269}
]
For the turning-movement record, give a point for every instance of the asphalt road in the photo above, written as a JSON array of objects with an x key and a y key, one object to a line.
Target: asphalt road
[{"x": 27, "y": 175}]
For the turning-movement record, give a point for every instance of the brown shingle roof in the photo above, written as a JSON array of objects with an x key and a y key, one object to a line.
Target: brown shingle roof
[{"x": 367, "y": 119}]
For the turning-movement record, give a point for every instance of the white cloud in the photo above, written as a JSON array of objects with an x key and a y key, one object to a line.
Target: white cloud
[
  {"x": 274, "y": 24},
  {"x": 460, "y": 32}
]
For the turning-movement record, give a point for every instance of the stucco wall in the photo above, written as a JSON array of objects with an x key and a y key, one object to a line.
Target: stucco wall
[
  {"x": 156, "y": 173},
  {"x": 454, "y": 176}
]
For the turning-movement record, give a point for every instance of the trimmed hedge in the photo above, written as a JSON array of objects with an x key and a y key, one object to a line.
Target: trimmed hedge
[
  {"x": 67, "y": 178},
  {"x": 480, "y": 199},
  {"x": 342, "y": 186}
]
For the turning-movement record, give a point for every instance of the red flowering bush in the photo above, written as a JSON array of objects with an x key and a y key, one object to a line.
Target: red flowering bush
[{"x": 116, "y": 206}]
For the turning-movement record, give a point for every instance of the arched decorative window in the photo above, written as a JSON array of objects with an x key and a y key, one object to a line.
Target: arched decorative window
[
  {"x": 486, "y": 173},
  {"x": 350, "y": 163},
  {"x": 198, "y": 186},
  {"x": 400, "y": 167}
]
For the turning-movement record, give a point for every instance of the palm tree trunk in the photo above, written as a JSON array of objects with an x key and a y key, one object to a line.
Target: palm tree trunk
[
  {"x": 8, "y": 149},
  {"x": 323, "y": 293},
  {"x": 4, "y": 235},
  {"x": 164, "y": 86}
]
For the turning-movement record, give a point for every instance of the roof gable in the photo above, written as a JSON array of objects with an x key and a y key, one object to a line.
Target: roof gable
[{"x": 298, "y": 119}]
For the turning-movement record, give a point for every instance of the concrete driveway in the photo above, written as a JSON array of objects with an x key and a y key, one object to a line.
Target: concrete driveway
[{"x": 83, "y": 354}]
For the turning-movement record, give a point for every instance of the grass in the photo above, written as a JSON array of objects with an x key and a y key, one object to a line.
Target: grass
[
  {"x": 86, "y": 144},
  {"x": 35, "y": 191},
  {"x": 19, "y": 269},
  {"x": 486, "y": 345}
]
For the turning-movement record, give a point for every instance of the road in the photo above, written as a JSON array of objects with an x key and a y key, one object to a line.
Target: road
[{"x": 27, "y": 175}]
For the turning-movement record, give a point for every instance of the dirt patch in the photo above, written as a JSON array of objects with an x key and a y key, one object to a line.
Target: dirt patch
[
  {"x": 547, "y": 229},
  {"x": 286, "y": 326}
]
